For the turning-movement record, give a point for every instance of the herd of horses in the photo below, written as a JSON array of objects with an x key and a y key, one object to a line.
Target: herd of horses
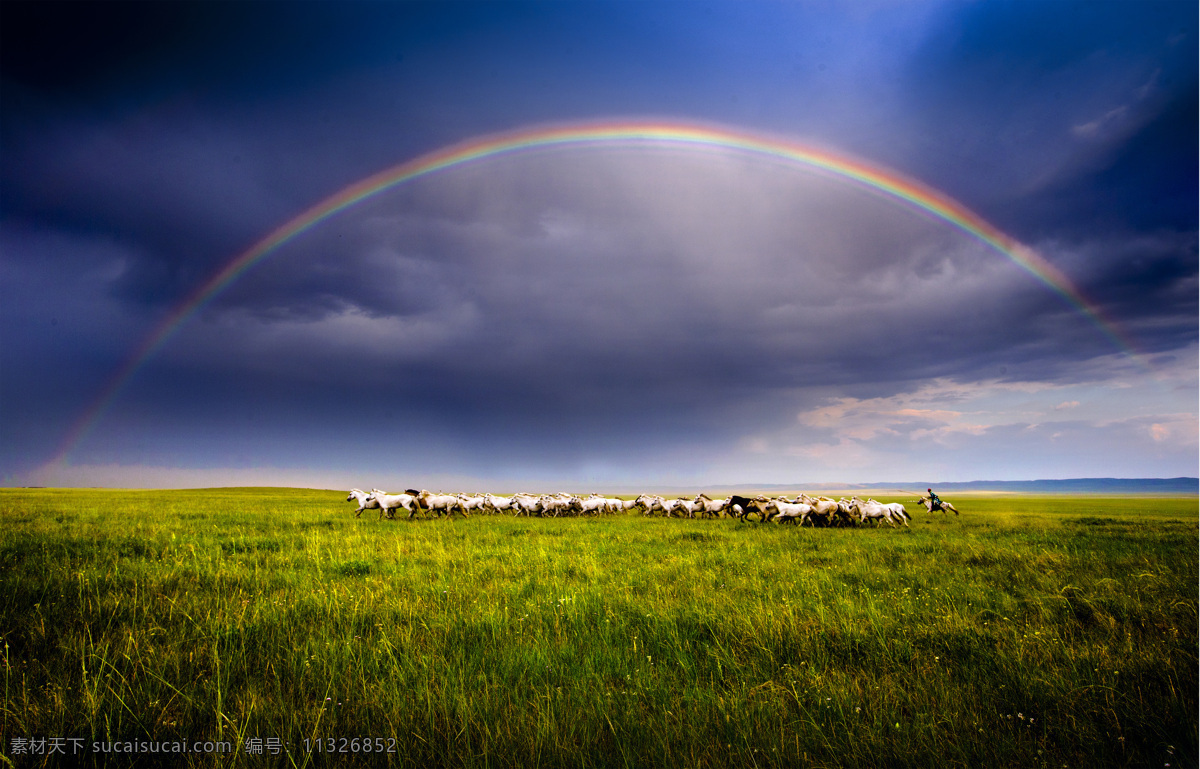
[{"x": 803, "y": 509}]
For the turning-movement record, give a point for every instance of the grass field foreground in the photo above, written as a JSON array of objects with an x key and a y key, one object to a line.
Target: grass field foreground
[{"x": 1051, "y": 631}]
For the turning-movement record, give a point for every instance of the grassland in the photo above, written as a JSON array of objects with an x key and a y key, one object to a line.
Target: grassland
[{"x": 1027, "y": 632}]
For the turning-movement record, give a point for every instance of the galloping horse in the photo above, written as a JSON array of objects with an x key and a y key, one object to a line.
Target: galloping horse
[
  {"x": 743, "y": 506},
  {"x": 364, "y": 500},
  {"x": 944, "y": 506}
]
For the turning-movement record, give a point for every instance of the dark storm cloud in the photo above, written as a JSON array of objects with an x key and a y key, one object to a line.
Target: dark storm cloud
[
  {"x": 610, "y": 290},
  {"x": 1146, "y": 183},
  {"x": 1073, "y": 125},
  {"x": 201, "y": 125},
  {"x": 181, "y": 125},
  {"x": 114, "y": 55},
  {"x": 1023, "y": 104}
]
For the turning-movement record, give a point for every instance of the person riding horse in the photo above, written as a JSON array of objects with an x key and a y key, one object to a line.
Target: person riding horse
[{"x": 934, "y": 502}]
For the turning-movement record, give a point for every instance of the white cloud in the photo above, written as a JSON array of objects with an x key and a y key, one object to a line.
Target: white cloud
[
  {"x": 996, "y": 430},
  {"x": 1102, "y": 125}
]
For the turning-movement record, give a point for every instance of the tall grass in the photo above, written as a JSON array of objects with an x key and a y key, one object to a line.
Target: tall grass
[{"x": 1026, "y": 632}]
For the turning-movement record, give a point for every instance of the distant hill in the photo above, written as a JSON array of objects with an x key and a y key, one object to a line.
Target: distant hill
[{"x": 1059, "y": 486}]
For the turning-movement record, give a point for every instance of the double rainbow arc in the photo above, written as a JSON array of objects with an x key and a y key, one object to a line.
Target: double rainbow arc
[{"x": 891, "y": 184}]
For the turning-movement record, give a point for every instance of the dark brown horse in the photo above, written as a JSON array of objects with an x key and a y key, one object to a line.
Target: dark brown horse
[{"x": 747, "y": 505}]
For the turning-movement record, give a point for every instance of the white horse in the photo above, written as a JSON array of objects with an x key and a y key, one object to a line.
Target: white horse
[
  {"x": 649, "y": 502},
  {"x": 524, "y": 504},
  {"x": 499, "y": 503},
  {"x": 689, "y": 506},
  {"x": 365, "y": 501},
  {"x": 824, "y": 509},
  {"x": 710, "y": 508},
  {"x": 472, "y": 502},
  {"x": 875, "y": 511},
  {"x": 944, "y": 506},
  {"x": 438, "y": 503},
  {"x": 797, "y": 511},
  {"x": 592, "y": 505},
  {"x": 898, "y": 511},
  {"x": 558, "y": 503},
  {"x": 387, "y": 503},
  {"x": 844, "y": 514},
  {"x": 614, "y": 505}
]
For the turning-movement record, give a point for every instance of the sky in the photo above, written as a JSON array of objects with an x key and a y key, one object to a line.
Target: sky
[{"x": 595, "y": 315}]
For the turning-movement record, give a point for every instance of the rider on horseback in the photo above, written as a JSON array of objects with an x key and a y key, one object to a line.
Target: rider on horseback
[{"x": 934, "y": 502}]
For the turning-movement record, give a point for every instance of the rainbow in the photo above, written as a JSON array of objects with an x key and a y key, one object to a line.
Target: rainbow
[{"x": 874, "y": 178}]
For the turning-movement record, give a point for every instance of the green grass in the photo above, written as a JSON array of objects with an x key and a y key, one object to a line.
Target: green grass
[{"x": 1027, "y": 632}]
